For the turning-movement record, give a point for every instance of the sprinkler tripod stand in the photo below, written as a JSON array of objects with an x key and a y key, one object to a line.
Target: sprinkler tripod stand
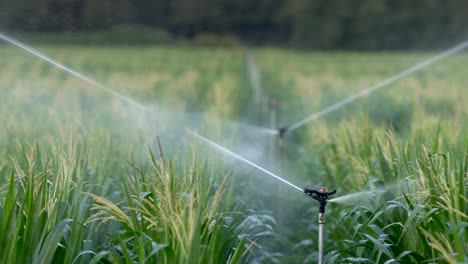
[{"x": 322, "y": 197}]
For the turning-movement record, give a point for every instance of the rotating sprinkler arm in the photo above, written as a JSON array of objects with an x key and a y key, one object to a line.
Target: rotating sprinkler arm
[{"x": 321, "y": 196}]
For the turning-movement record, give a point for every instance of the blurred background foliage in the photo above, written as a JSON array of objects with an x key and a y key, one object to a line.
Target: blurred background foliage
[{"x": 319, "y": 24}]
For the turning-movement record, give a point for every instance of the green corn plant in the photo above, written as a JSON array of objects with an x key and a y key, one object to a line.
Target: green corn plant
[
  {"x": 426, "y": 221},
  {"x": 169, "y": 214}
]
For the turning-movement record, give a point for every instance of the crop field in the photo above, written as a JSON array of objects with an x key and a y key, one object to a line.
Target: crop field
[{"x": 87, "y": 177}]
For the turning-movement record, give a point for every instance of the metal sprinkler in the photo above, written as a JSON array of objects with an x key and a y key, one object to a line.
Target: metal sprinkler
[
  {"x": 282, "y": 129},
  {"x": 322, "y": 197}
]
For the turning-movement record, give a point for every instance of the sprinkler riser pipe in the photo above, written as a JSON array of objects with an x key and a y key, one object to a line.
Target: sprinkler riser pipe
[{"x": 321, "y": 222}]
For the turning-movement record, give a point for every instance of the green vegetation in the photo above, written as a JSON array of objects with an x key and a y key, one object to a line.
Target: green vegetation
[{"x": 84, "y": 180}]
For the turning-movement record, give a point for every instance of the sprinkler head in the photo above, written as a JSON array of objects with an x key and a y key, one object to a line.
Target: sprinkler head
[
  {"x": 321, "y": 196},
  {"x": 282, "y": 130}
]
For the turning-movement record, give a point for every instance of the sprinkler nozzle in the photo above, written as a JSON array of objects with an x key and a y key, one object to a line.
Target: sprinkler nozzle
[
  {"x": 282, "y": 130},
  {"x": 321, "y": 196}
]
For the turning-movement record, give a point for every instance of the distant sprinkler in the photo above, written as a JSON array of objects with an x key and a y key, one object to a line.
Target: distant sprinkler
[
  {"x": 282, "y": 129},
  {"x": 322, "y": 197}
]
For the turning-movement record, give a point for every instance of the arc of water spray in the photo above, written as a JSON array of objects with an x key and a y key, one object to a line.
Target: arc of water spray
[
  {"x": 131, "y": 101},
  {"x": 392, "y": 79},
  {"x": 90, "y": 80},
  {"x": 236, "y": 156},
  {"x": 72, "y": 72},
  {"x": 355, "y": 196},
  {"x": 364, "y": 194}
]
